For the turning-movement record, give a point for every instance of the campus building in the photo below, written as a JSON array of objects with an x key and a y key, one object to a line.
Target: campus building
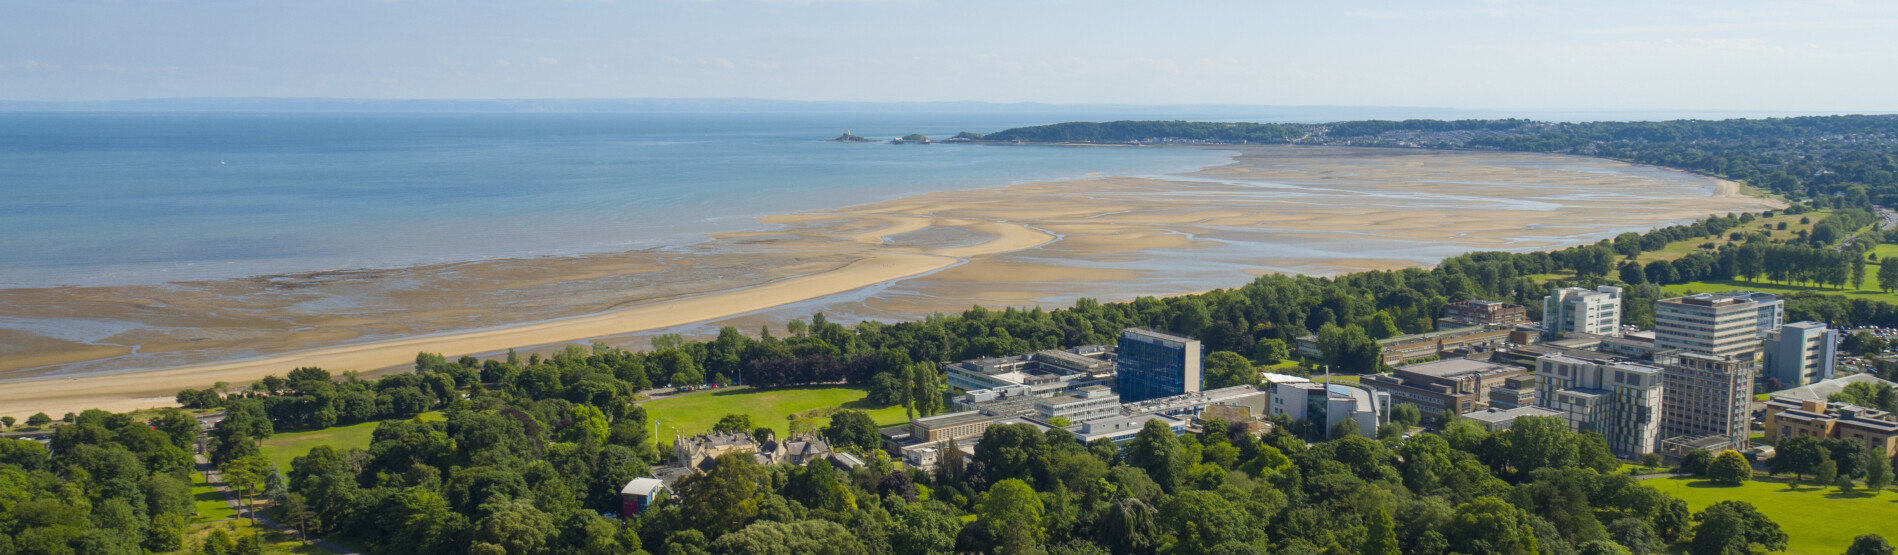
[
  {"x": 1574, "y": 309},
  {"x": 1801, "y": 353},
  {"x": 1458, "y": 385},
  {"x": 1620, "y": 400},
  {"x": 1482, "y": 313},
  {"x": 1496, "y": 420},
  {"x": 1050, "y": 371},
  {"x": 1085, "y": 404},
  {"x": 1400, "y": 349},
  {"x": 1154, "y": 365},
  {"x": 1726, "y": 325},
  {"x": 1706, "y": 396},
  {"x": 1329, "y": 404},
  {"x": 1808, "y": 411}
]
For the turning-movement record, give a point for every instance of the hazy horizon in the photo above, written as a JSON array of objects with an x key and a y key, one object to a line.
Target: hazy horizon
[{"x": 1498, "y": 55}]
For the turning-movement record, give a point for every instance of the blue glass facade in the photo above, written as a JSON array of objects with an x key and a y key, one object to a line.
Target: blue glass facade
[{"x": 1153, "y": 365}]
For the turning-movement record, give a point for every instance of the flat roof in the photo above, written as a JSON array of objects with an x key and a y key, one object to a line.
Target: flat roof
[
  {"x": 1455, "y": 366},
  {"x": 952, "y": 419},
  {"x": 1494, "y": 416},
  {"x": 1157, "y": 335},
  {"x": 642, "y": 486}
]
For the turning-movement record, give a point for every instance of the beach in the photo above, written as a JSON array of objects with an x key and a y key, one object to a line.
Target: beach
[{"x": 1310, "y": 210}]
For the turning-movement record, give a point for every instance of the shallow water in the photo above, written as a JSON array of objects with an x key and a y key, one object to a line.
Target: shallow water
[{"x": 116, "y": 199}]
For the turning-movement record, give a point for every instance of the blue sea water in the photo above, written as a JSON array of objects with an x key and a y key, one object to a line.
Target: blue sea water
[{"x": 136, "y": 198}]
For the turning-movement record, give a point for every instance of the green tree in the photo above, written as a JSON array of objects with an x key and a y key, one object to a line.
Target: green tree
[
  {"x": 1869, "y": 544},
  {"x": 1733, "y": 528},
  {"x": 1637, "y": 535},
  {"x": 1799, "y": 455},
  {"x": 1695, "y": 462},
  {"x": 725, "y": 499},
  {"x": 1201, "y": 521},
  {"x": 1380, "y": 538},
  {"x": 1011, "y": 514},
  {"x": 1382, "y": 326},
  {"x": 6, "y": 421},
  {"x": 1730, "y": 468},
  {"x": 1269, "y": 351},
  {"x": 39, "y": 419},
  {"x": 587, "y": 421},
  {"x": 1406, "y": 414},
  {"x": 1156, "y": 450},
  {"x": 1227, "y": 369},
  {"x": 853, "y": 430},
  {"x": 765, "y": 537},
  {"x": 926, "y": 388},
  {"x": 512, "y": 526},
  {"x": 1826, "y": 473},
  {"x": 300, "y": 516},
  {"x": 1888, "y": 274},
  {"x": 246, "y": 477},
  {"x": 1129, "y": 527},
  {"x": 1491, "y": 525},
  {"x": 920, "y": 531},
  {"x": 1877, "y": 471},
  {"x": 734, "y": 423}
]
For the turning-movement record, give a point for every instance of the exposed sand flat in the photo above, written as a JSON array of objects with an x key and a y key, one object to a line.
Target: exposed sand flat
[{"x": 1272, "y": 210}]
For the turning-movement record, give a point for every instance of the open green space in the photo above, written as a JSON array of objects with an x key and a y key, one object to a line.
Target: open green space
[
  {"x": 1816, "y": 520},
  {"x": 208, "y": 501},
  {"x": 285, "y": 447},
  {"x": 696, "y": 413},
  {"x": 1769, "y": 226}
]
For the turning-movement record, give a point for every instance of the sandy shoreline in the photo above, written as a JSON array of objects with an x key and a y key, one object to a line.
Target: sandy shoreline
[{"x": 1288, "y": 209}]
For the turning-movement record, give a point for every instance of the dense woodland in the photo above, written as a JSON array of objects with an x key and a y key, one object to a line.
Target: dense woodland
[{"x": 533, "y": 450}]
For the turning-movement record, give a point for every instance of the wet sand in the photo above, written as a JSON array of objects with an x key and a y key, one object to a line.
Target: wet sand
[{"x": 1273, "y": 209}]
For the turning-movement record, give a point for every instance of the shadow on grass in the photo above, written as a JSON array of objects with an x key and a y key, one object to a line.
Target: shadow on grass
[
  {"x": 209, "y": 496},
  {"x": 751, "y": 390}
]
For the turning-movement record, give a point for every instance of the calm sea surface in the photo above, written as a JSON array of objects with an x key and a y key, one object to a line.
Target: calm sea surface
[{"x": 114, "y": 199}]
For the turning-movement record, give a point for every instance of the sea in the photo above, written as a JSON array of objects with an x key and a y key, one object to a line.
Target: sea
[{"x": 106, "y": 199}]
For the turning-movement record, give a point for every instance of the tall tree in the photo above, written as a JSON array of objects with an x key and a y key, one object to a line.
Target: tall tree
[
  {"x": 1380, "y": 538},
  {"x": 1011, "y": 514}
]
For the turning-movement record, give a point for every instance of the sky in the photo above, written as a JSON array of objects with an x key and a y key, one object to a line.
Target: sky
[{"x": 1496, "y": 54}]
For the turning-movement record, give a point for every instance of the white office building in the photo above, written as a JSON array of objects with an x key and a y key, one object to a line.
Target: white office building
[
  {"x": 1620, "y": 400},
  {"x": 1329, "y": 404},
  {"x": 1578, "y": 310},
  {"x": 1085, "y": 404},
  {"x": 1706, "y": 324}
]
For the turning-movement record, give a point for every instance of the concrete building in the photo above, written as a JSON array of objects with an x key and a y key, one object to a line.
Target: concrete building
[
  {"x": 1482, "y": 313},
  {"x": 1706, "y": 395},
  {"x": 1330, "y": 404},
  {"x": 1620, "y": 400},
  {"x": 1154, "y": 365},
  {"x": 1801, "y": 353},
  {"x": 1404, "y": 348},
  {"x": 1121, "y": 429},
  {"x": 1088, "y": 403},
  {"x": 1496, "y": 420},
  {"x": 1772, "y": 310},
  {"x": 1191, "y": 404},
  {"x": 1717, "y": 325},
  {"x": 1823, "y": 391},
  {"x": 1051, "y": 370},
  {"x": 1574, "y": 309},
  {"x": 1789, "y": 418},
  {"x": 1460, "y": 385},
  {"x": 944, "y": 427}
]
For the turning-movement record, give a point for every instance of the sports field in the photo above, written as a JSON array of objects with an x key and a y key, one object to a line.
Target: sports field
[
  {"x": 1816, "y": 520},
  {"x": 696, "y": 413}
]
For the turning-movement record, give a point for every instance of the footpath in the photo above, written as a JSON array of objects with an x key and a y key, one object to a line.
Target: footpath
[{"x": 216, "y": 479}]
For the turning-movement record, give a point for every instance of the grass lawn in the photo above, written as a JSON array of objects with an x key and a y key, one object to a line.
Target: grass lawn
[
  {"x": 696, "y": 413},
  {"x": 1869, "y": 291},
  {"x": 1817, "y": 521},
  {"x": 208, "y": 501},
  {"x": 284, "y": 447},
  {"x": 1678, "y": 249}
]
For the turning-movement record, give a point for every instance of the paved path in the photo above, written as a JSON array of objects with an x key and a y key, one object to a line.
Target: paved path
[{"x": 213, "y": 477}]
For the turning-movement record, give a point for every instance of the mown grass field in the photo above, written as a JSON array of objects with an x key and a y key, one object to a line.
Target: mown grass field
[
  {"x": 1868, "y": 290},
  {"x": 1816, "y": 520},
  {"x": 696, "y": 413},
  {"x": 1678, "y": 249},
  {"x": 285, "y": 447},
  {"x": 208, "y": 501}
]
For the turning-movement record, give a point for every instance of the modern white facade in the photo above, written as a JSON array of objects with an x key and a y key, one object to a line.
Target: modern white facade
[
  {"x": 1716, "y": 325},
  {"x": 1620, "y": 400},
  {"x": 1578, "y": 310},
  {"x": 1329, "y": 404},
  {"x": 1801, "y": 353},
  {"x": 1088, "y": 403}
]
